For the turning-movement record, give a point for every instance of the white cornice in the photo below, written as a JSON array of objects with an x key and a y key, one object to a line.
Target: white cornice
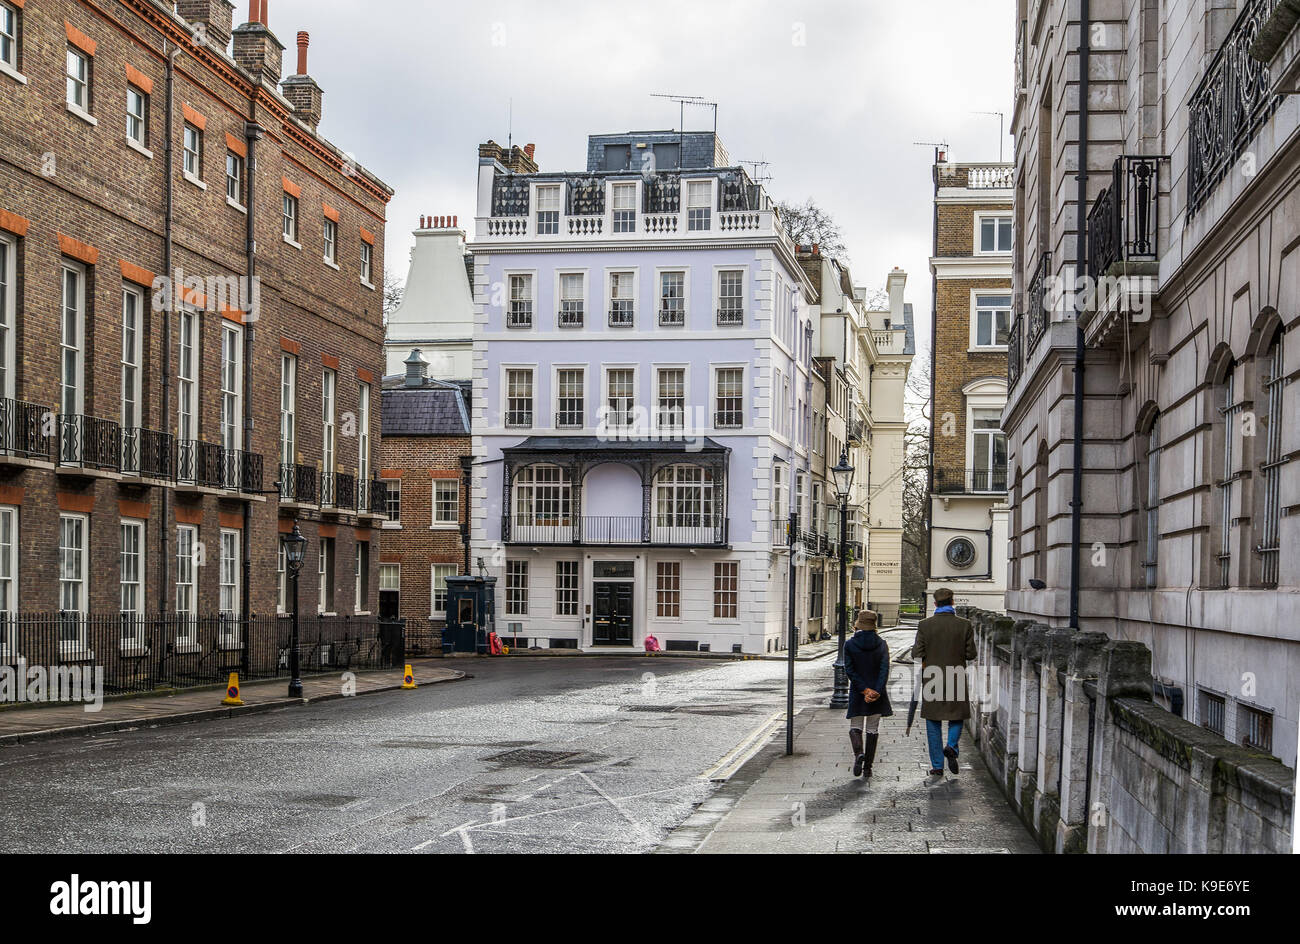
[
  {"x": 960, "y": 195},
  {"x": 971, "y": 267}
]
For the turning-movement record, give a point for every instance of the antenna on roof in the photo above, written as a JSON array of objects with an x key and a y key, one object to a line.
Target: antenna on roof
[
  {"x": 934, "y": 144},
  {"x": 754, "y": 174},
  {"x": 1002, "y": 124},
  {"x": 684, "y": 100},
  {"x": 510, "y": 123}
]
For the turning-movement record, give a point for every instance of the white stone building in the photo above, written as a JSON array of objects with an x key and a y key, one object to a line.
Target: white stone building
[{"x": 436, "y": 314}]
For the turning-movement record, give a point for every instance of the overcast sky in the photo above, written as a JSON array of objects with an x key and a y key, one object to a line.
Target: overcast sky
[{"x": 833, "y": 94}]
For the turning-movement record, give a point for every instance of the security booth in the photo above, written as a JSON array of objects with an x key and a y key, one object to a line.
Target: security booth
[{"x": 471, "y": 614}]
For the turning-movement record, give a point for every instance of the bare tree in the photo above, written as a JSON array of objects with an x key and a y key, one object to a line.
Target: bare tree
[
  {"x": 394, "y": 290},
  {"x": 916, "y": 479},
  {"x": 809, "y": 223}
]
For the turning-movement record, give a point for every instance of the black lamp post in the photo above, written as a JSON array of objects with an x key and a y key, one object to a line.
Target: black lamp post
[
  {"x": 295, "y": 546},
  {"x": 842, "y": 473}
]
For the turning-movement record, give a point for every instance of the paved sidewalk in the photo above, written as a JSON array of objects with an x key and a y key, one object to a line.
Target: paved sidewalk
[
  {"x": 811, "y": 802},
  {"x": 39, "y": 723}
]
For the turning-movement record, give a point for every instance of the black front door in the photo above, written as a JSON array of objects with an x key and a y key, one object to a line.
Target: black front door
[
  {"x": 613, "y": 619},
  {"x": 388, "y": 600}
]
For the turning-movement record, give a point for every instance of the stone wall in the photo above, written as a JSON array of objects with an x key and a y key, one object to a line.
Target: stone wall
[{"x": 1066, "y": 723}]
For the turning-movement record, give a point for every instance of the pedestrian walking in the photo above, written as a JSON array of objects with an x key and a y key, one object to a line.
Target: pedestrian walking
[
  {"x": 944, "y": 644},
  {"x": 866, "y": 663}
]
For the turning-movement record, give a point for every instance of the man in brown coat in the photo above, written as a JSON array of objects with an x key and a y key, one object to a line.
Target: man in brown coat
[{"x": 944, "y": 644}]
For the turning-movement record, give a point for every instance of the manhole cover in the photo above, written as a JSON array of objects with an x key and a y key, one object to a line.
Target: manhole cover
[
  {"x": 662, "y": 709},
  {"x": 526, "y": 757}
]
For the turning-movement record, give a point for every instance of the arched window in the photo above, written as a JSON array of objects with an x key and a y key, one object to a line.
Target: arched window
[
  {"x": 1149, "y": 464},
  {"x": 1225, "y": 403},
  {"x": 542, "y": 496},
  {"x": 1015, "y": 517},
  {"x": 684, "y": 497},
  {"x": 1040, "y": 513},
  {"x": 1271, "y": 384}
]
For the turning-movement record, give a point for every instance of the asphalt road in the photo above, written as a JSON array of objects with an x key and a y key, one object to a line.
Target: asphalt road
[{"x": 538, "y": 754}]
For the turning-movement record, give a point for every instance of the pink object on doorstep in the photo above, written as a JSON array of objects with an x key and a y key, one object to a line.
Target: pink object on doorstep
[{"x": 651, "y": 644}]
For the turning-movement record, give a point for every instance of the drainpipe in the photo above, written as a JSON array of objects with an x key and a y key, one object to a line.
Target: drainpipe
[
  {"x": 252, "y": 134},
  {"x": 1081, "y": 253},
  {"x": 168, "y": 212}
]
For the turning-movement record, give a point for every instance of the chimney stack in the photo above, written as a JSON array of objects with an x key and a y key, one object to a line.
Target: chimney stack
[
  {"x": 255, "y": 48},
  {"x": 215, "y": 16},
  {"x": 417, "y": 369},
  {"x": 519, "y": 160},
  {"x": 301, "y": 89}
]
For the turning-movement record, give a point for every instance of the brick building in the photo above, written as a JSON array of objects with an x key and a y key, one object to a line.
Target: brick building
[
  {"x": 971, "y": 317},
  {"x": 426, "y": 435},
  {"x": 144, "y": 428}
]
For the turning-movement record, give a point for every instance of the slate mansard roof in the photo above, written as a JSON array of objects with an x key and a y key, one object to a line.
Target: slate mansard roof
[{"x": 425, "y": 411}]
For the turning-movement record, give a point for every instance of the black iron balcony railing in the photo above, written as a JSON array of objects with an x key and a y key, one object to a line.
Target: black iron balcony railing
[
  {"x": 570, "y": 314},
  {"x": 241, "y": 471},
  {"x": 621, "y": 314},
  {"x": 298, "y": 483},
  {"x": 26, "y": 429},
  {"x": 731, "y": 316},
  {"x": 1232, "y": 102},
  {"x": 328, "y": 492},
  {"x": 958, "y": 481},
  {"x": 728, "y": 419},
  {"x": 520, "y": 419},
  {"x": 672, "y": 316},
  {"x": 345, "y": 490},
  {"x": 570, "y": 419},
  {"x": 199, "y": 463},
  {"x": 148, "y": 453},
  {"x": 89, "y": 442},
  {"x": 673, "y": 417},
  {"x": 1036, "y": 300},
  {"x": 1124, "y": 220},
  {"x": 378, "y": 490},
  {"x": 655, "y": 530},
  {"x": 1015, "y": 354}
]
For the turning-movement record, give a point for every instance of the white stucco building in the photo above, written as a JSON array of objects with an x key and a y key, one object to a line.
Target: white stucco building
[{"x": 436, "y": 314}]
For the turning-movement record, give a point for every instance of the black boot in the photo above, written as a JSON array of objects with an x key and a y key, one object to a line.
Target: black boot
[
  {"x": 870, "y": 752},
  {"x": 855, "y": 738}
]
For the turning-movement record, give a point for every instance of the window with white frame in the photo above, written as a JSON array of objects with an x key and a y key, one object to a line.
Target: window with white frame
[
  {"x": 623, "y": 207},
  {"x": 78, "y": 79},
  {"x": 1273, "y": 381},
  {"x": 131, "y": 584},
  {"x": 9, "y": 35},
  {"x": 670, "y": 392},
  {"x": 1228, "y": 409},
  {"x": 393, "y": 499},
  {"x": 325, "y": 571},
  {"x": 446, "y": 502},
  {"x": 131, "y": 314},
  {"x": 988, "y": 451},
  {"x": 548, "y": 210},
  {"x": 668, "y": 590},
  {"x": 519, "y": 397},
  {"x": 137, "y": 116},
  {"x": 290, "y": 212},
  {"x": 8, "y": 579},
  {"x": 363, "y": 435},
  {"x": 571, "y": 399},
  {"x": 361, "y": 578},
  {"x": 620, "y": 396},
  {"x": 779, "y": 511},
  {"x": 994, "y": 233},
  {"x": 541, "y": 495},
  {"x": 187, "y": 388},
  {"x": 572, "y": 300},
  {"x": 329, "y": 379},
  {"x": 520, "y": 314},
  {"x": 288, "y": 411},
  {"x": 72, "y": 339},
  {"x": 683, "y": 497},
  {"x": 282, "y": 577},
  {"x": 622, "y": 301},
  {"x": 234, "y": 178},
  {"x": 8, "y": 312},
  {"x": 330, "y": 232},
  {"x": 232, "y": 388},
  {"x": 992, "y": 320},
  {"x": 390, "y": 579},
  {"x": 731, "y": 300},
  {"x": 516, "y": 588},
  {"x": 192, "y": 141},
  {"x": 672, "y": 298},
  {"x": 566, "y": 588},
  {"x": 726, "y": 589},
  {"x": 438, "y": 594},
  {"x": 699, "y": 199},
  {"x": 72, "y": 581},
  {"x": 228, "y": 597},
  {"x": 729, "y": 412},
  {"x": 367, "y": 251},
  {"x": 1151, "y": 534}
]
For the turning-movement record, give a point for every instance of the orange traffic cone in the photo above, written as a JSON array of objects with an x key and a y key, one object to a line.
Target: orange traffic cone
[
  {"x": 232, "y": 691},
  {"x": 408, "y": 677}
]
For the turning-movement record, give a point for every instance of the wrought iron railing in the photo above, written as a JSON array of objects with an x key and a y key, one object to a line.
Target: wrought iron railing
[
  {"x": 345, "y": 490},
  {"x": 657, "y": 530},
  {"x": 728, "y": 419},
  {"x": 1124, "y": 221},
  {"x": 240, "y": 471},
  {"x": 1232, "y": 102},
  {"x": 570, "y": 419},
  {"x": 148, "y": 453},
  {"x": 298, "y": 483},
  {"x": 89, "y": 442},
  {"x": 959, "y": 481},
  {"x": 328, "y": 494},
  {"x": 1015, "y": 354},
  {"x": 199, "y": 463},
  {"x": 1036, "y": 300},
  {"x": 621, "y": 313},
  {"x": 26, "y": 429}
]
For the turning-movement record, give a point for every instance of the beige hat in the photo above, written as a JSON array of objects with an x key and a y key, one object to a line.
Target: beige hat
[{"x": 867, "y": 619}]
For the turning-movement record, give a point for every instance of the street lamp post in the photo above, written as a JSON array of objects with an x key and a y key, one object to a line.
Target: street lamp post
[
  {"x": 843, "y": 477},
  {"x": 295, "y": 546}
]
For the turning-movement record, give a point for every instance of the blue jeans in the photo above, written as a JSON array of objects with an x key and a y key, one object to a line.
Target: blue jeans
[{"x": 934, "y": 736}]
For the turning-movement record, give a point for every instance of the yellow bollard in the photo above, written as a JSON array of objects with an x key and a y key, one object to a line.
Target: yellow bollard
[
  {"x": 408, "y": 677},
  {"x": 232, "y": 691}
]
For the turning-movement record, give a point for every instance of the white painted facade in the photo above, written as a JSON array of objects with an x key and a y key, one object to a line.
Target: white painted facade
[{"x": 436, "y": 315}]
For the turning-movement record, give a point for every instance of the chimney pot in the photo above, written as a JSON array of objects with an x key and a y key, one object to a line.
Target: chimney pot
[
  {"x": 263, "y": 16},
  {"x": 303, "y": 40},
  {"x": 453, "y": 220},
  {"x": 529, "y": 149},
  {"x": 254, "y": 8}
]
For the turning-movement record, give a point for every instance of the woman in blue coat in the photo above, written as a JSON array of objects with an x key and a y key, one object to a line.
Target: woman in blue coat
[{"x": 866, "y": 663}]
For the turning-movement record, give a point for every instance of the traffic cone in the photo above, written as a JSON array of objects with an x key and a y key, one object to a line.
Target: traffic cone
[
  {"x": 232, "y": 691},
  {"x": 408, "y": 677}
]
